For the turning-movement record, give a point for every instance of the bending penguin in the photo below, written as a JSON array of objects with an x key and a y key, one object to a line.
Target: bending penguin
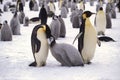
[
  {"x": 39, "y": 42},
  {"x": 66, "y": 54},
  {"x": 87, "y": 38}
]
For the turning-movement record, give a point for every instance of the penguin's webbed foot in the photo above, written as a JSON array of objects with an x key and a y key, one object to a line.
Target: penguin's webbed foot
[
  {"x": 33, "y": 64},
  {"x": 89, "y": 63}
]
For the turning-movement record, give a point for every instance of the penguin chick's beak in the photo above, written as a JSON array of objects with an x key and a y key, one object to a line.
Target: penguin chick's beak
[{"x": 44, "y": 27}]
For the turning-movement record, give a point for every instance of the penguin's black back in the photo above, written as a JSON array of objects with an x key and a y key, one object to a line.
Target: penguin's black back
[
  {"x": 34, "y": 40},
  {"x": 81, "y": 38}
]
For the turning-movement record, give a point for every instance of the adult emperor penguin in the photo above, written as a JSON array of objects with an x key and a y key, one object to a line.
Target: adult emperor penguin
[
  {"x": 39, "y": 42},
  {"x": 100, "y": 22},
  {"x": 88, "y": 39}
]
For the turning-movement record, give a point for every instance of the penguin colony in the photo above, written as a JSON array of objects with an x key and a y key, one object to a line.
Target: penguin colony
[{"x": 44, "y": 36}]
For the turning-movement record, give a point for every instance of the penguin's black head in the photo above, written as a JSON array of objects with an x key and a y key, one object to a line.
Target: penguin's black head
[
  {"x": 87, "y": 14},
  {"x": 6, "y": 21},
  {"x": 15, "y": 14},
  {"x": 101, "y": 8}
]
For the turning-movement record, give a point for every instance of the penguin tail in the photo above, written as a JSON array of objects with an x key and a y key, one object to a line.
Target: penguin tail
[{"x": 106, "y": 39}]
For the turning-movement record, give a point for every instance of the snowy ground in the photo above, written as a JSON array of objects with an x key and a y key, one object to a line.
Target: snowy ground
[{"x": 16, "y": 55}]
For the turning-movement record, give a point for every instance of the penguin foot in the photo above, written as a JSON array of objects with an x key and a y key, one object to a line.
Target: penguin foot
[
  {"x": 89, "y": 63},
  {"x": 62, "y": 36},
  {"x": 33, "y": 64}
]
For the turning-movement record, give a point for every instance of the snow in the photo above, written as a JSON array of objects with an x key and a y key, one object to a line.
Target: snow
[{"x": 16, "y": 55}]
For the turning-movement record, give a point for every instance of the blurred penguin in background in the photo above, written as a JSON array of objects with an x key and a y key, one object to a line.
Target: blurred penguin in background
[
  {"x": 5, "y": 8},
  {"x": 76, "y": 22},
  {"x": 15, "y": 24},
  {"x": 92, "y": 2},
  {"x": 81, "y": 5},
  {"x": 6, "y": 33},
  {"x": 69, "y": 3},
  {"x": 35, "y": 8},
  {"x": 60, "y": 2},
  {"x": 1, "y": 1},
  {"x": 31, "y": 4},
  {"x": 62, "y": 27},
  {"x": 100, "y": 22},
  {"x": 118, "y": 5},
  {"x": 21, "y": 17},
  {"x": 74, "y": 12},
  {"x": 41, "y": 13},
  {"x": 20, "y": 6},
  {"x": 55, "y": 27},
  {"x": 110, "y": 8},
  {"x": 64, "y": 11},
  {"x": 73, "y": 5},
  {"x": 99, "y": 4},
  {"x": 26, "y": 21},
  {"x": 108, "y": 21},
  {"x": 51, "y": 7}
]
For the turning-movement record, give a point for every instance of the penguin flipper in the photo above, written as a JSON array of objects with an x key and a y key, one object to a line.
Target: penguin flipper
[{"x": 78, "y": 35}]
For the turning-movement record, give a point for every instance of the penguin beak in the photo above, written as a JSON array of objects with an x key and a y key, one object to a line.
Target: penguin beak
[
  {"x": 93, "y": 13},
  {"x": 77, "y": 37}
]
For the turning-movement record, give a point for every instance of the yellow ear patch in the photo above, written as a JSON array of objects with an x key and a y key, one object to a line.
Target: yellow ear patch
[
  {"x": 84, "y": 16},
  {"x": 44, "y": 27}
]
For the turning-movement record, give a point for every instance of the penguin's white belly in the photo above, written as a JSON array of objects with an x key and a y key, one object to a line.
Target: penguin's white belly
[
  {"x": 42, "y": 54},
  {"x": 90, "y": 40},
  {"x": 101, "y": 22}
]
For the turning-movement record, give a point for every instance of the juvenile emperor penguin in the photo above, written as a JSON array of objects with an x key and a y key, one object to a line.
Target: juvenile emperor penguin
[
  {"x": 55, "y": 27},
  {"x": 26, "y": 21},
  {"x": 39, "y": 43},
  {"x": 62, "y": 27},
  {"x": 66, "y": 54},
  {"x": 6, "y": 33},
  {"x": 88, "y": 39},
  {"x": 15, "y": 25},
  {"x": 100, "y": 22},
  {"x": 21, "y": 17}
]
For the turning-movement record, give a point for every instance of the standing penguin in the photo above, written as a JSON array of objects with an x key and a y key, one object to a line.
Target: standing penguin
[
  {"x": 101, "y": 22},
  {"x": 62, "y": 27},
  {"x": 6, "y": 33},
  {"x": 21, "y": 17},
  {"x": 118, "y": 6},
  {"x": 88, "y": 39},
  {"x": 64, "y": 11},
  {"x": 31, "y": 4},
  {"x": 15, "y": 25},
  {"x": 108, "y": 21},
  {"x": 55, "y": 27},
  {"x": 26, "y": 21},
  {"x": 66, "y": 54},
  {"x": 39, "y": 42}
]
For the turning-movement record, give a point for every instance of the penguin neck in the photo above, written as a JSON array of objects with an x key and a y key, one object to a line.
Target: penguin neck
[
  {"x": 52, "y": 44},
  {"x": 87, "y": 22}
]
